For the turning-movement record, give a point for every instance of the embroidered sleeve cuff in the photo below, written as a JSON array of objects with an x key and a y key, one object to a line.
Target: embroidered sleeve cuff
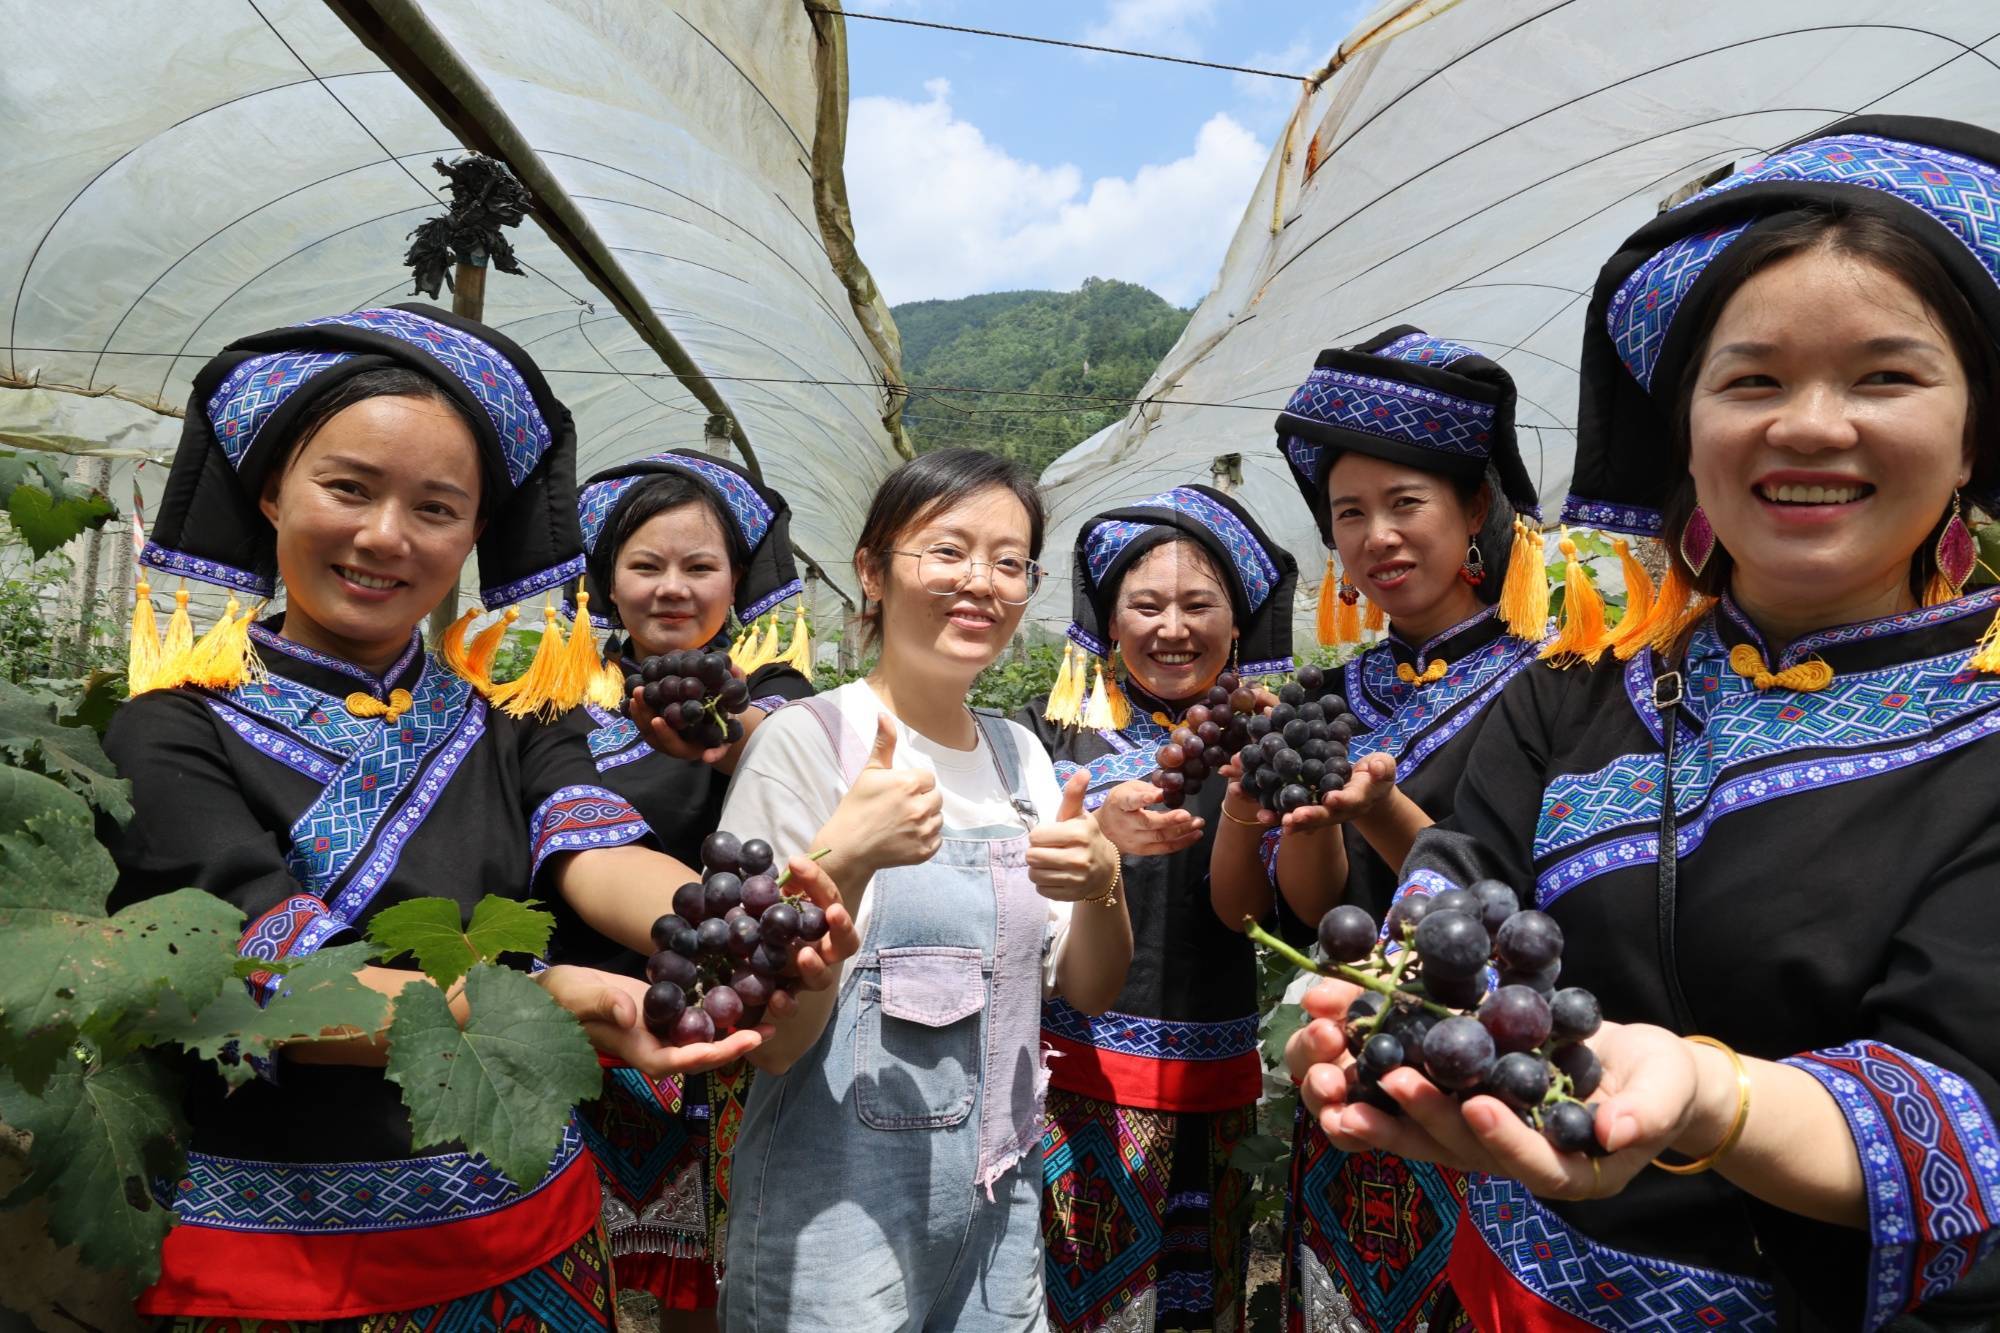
[
  {"x": 577, "y": 819},
  {"x": 1930, "y": 1158},
  {"x": 294, "y": 928},
  {"x": 1267, "y": 852}
]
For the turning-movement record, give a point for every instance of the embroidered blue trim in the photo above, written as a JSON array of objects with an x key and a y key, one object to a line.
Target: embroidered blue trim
[
  {"x": 1423, "y": 653},
  {"x": 580, "y": 817},
  {"x": 274, "y": 744},
  {"x": 1255, "y": 570},
  {"x": 1423, "y": 721},
  {"x": 1422, "y": 349},
  {"x": 364, "y": 884},
  {"x": 378, "y": 685},
  {"x": 155, "y": 556},
  {"x": 1152, "y": 1038},
  {"x": 1637, "y": 520},
  {"x": 1606, "y": 1288},
  {"x": 555, "y": 576},
  {"x": 769, "y": 703},
  {"x": 318, "y": 1198},
  {"x": 594, "y": 506},
  {"x": 782, "y": 593},
  {"x": 1393, "y": 410},
  {"x": 1927, "y": 1229},
  {"x": 1270, "y": 666}
]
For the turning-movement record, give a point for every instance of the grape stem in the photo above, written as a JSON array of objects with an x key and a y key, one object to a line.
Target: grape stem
[
  {"x": 785, "y": 875},
  {"x": 1384, "y": 986}
]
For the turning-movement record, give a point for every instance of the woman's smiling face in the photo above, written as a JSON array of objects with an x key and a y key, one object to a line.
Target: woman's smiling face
[
  {"x": 1402, "y": 535},
  {"x": 1827, "y": 432},
  {"x": 1173, "y": 622}
]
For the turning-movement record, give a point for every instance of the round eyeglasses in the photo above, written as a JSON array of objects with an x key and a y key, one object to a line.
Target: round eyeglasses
[{"x": 944, "y": 569}]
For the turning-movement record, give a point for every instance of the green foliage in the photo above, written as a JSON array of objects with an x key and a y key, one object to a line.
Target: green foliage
[
  {"x": 320, "y": 996},
  {"x": 1098, "y": 344},
  {"x": 516, "y": 651},
  {"x": 33, "y": 737},
  {"x": 102, "y": 1131},
  {"x": 1010, "y": 685},
  {"x": 504, "y": 1084},
  {"x": 428, "y": 929},
  {"x": 44, "y": 507}
]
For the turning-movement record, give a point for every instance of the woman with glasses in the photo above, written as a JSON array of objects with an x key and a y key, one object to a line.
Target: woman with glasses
[
  {"x": 674, "y": 544},
  {"x": 1142, "y": 1214},
  {"x": 886, "y": 1175}
]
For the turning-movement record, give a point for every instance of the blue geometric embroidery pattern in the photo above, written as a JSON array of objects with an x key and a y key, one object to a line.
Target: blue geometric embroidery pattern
[
  {"x": 1608, "y": 1288},
  {"x": 245, "y": 400},
  {"x": 334, "y": 1197},
  {"x": 1638, "y": 323},
  {"x": 488, "y": 376},
  {"x": 521, "y": 589},
  {"x": 578, "y": 818},
  {"x": 1961, "y": 193},
  {"x": 595, "y": 506},
  {"x": 155, "y": 556},
  {"x": 1396, "y": 411},
  {"x": 1635, "y": 519},
  {"x": 1252, "y": 563},
  {"x": 1153, "y": 1038},
  {"x": 1409, "y": 723},
  {"x": 753, "y": 517},
  {"x": 613, "y": 741},
  {"x": 1923, "y": 705},
  {"x": 1421, "y": 349},
  {"x": 379, "y": 685},
  {"x": 1931, "y": 1158},
  {"x": 275, "y": 744}
]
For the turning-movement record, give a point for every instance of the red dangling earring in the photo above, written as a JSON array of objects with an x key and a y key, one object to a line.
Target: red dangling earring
[
  {"x": 1473, "y": 571},
  {"x": 1348, "y": 592},
  {"x": 1957, "y": 552},
  {"x": 1697, "y": 541}
]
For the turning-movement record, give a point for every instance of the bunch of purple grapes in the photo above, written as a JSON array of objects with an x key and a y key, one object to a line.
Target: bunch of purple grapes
[
  {"x": 1468, "y": 998},
  {"x": 1202, "y": 741},
  {"x": 1296, "y": 754},
  {"x": 728, "y": 946},
  {"x": 694, "y": 693}
]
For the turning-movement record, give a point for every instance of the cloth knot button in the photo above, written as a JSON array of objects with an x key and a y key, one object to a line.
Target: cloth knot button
[
  {"x": 1409, "y": 675},
  {"x": 367, "y": 705},
  {"x": 1805, "y": 677}
]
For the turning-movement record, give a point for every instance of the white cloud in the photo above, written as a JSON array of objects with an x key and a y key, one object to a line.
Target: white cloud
[
  {"x": 1152, "y": 25},
  {"x": 939, "y": 211}
]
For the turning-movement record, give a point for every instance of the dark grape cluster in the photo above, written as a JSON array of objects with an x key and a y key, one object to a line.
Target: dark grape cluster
[
  {"x": 694, "y": 693},
  {"x": 728, "y": 946},
  {"x": 1296, "y": 754},
  {"x": 1469, "y": 1000},
  {"x": 1203, "y": 740}
]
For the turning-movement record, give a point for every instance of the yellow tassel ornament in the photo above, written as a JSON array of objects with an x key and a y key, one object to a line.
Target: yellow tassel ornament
[
  {"x": 1097, "y": 712},
  {"x": 1524, "y": 596},
  {"x": 1061, "y": 708},
  {"x": 224, "y": 657},
  {"x": 1638, "y": 600},
  {"x": 799, "y": 656},
  {"x": 1346, "y": 617},
  {"x": 142, "y": 662},
  {"x": 1324, "y": 624},
  {"x": 1374, "y": 619},
  {"x": 537, "y": 692},
  {"x": 1583, "y": 634},
  {"x": 178, "y": 644},
  {"x": 451, "y": 649}
]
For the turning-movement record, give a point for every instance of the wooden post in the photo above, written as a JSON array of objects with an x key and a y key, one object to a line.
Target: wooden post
[
  {"x": 468, "y": 299},
  {"x": 715, "y": 439},
  {"x": 95, "y": 473}
]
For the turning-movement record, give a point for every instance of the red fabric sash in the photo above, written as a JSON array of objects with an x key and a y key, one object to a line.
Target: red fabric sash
[
  {"x": 300, "y": 1276},
  {"x": 1494, "y": 1299},
  {"x": 1154, "y": 1085}
]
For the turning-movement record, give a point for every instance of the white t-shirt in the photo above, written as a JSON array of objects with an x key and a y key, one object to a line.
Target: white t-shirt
[{"x": 788, "y": 783}]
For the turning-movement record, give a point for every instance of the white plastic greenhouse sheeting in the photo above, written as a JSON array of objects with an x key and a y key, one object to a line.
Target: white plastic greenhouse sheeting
[
  {"x": 178, "y": 175},
  {"x": 1474, "y": 173}
]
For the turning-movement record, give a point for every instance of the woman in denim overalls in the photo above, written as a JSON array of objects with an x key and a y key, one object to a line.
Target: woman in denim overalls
[{"x": 884, "y": 1178}]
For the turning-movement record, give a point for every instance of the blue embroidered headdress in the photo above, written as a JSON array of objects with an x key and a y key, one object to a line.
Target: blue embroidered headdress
[
  {"x": 758, "y": 531},
  {"x": 1259, "y": 574},
  {"x": 1937, "y": 180},
  {"x": 1423, "y": 402},
  {"x": 247, "y": 401}
]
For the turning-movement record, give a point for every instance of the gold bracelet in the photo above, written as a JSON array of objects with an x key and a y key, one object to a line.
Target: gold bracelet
[
  {"x": 1707, "y": 1163},
  {"x": 1109, "y": 898},
  {"x": 1246, "y": 823}
]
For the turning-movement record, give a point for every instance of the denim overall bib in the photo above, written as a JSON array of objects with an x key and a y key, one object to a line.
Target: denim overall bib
[{"x": 885, "y": 1182}]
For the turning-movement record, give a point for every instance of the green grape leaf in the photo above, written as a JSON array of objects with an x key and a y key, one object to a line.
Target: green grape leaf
[
  {"x": 1260, "y": 1154},
  {"x": 100, "y": 1135},
  {"x": 70, "y": 970},
  {"x": 53, "y": 862},
  {"x": 24, "y": 795},
  {"x": 504, "y": 1084},
  {"x": 1278, "y": 1026},
  {"x": 430, "y": 930},
  {"x": 33, "y": 738},
  {"x": 319, "y": 992},
  {"x": 47, "y": 520},
  {"x": 501, "y": 925}
]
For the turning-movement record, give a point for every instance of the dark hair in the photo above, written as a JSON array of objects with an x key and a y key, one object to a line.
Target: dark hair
[
  {"x": 922, "y": 488},
  {"x": 649, "y": 499},
  {"x": 1869, "y": 236},
  {"x": 384, "y": 382}
]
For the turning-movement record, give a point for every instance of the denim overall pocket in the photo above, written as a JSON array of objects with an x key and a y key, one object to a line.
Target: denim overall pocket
[{"x": 917, "y": 1037}]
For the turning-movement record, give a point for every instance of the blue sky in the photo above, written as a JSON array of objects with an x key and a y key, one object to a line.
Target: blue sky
[{"x": 976, "y": 164}]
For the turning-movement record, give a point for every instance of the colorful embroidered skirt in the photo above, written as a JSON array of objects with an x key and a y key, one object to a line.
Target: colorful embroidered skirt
[
  {"x": 1143, "y": 1217},
  {"x": 650, "y": 1141},
  {"x": 571, "y": 1293},
  {"x": 1367, "y": 1238}
]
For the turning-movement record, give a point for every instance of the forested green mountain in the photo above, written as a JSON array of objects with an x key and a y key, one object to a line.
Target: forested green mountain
[{"x": 1096, "y": 343}]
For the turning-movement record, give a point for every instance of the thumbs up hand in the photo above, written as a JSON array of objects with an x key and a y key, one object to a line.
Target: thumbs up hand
[
  {"x": 1070, "y": 858},
  {"x": 890, "y": 816}
]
